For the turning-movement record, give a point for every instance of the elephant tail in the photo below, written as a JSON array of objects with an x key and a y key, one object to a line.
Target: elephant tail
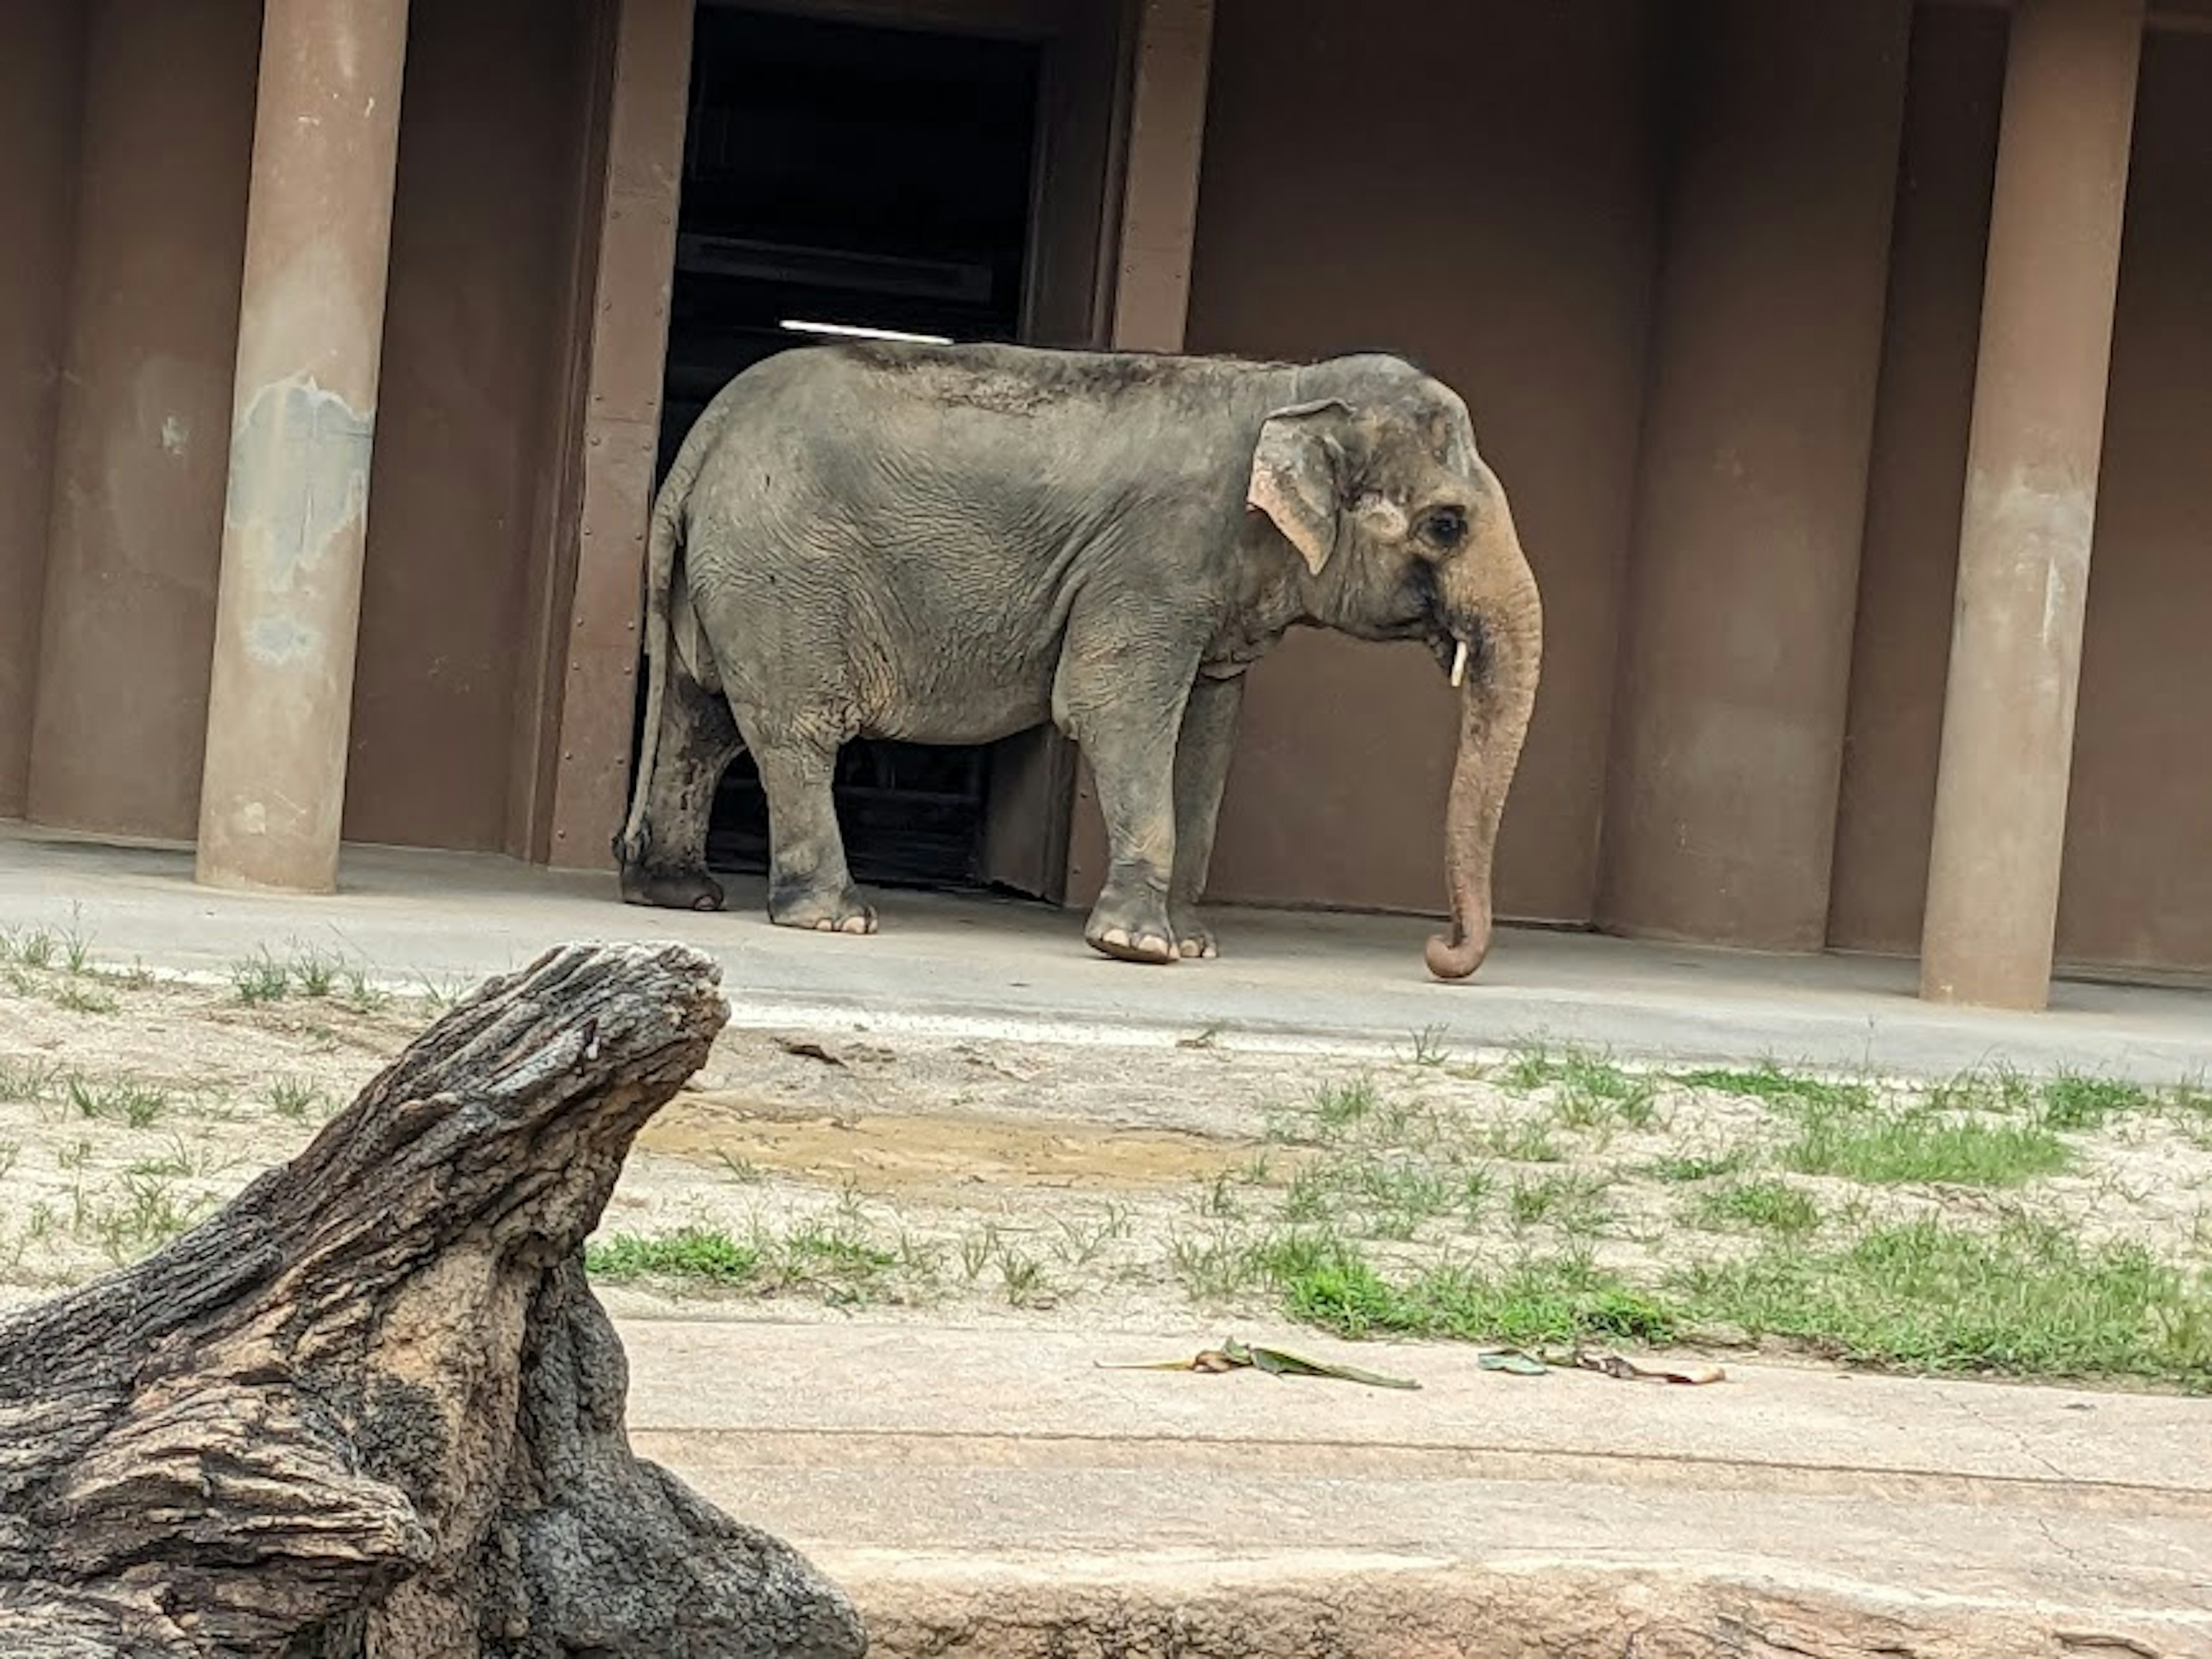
[{"x": 662, "y": 545}]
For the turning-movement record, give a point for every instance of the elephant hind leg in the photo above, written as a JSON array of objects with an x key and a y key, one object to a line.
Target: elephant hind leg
[
  {"x": 666, "y": 867},
  {"x": 808, "y": 884}
]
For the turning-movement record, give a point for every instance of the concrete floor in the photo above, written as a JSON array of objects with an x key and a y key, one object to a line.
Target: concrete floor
[
  {"x": 992, "y": 967},
  {"x": 953, "y": 1481}
]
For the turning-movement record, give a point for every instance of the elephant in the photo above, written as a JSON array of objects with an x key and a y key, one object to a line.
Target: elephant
[{"x": 951, "y": 543}]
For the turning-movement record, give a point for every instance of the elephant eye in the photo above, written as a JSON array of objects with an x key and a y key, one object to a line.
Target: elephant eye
[{"x": 1445, "y": 527}]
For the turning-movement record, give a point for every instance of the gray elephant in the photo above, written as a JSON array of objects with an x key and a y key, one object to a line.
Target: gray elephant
[{"x": 952, "y": 545}]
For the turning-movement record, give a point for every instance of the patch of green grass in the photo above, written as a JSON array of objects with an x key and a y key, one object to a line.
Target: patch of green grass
[
  {"x": 700, "y": 1254},
  {"x": 1525, "y": 1140},
  {"x": 1326, "y": 1281},
  {"x": 1779, "y": 1090},
  {"x": 2025, "y": 1299},
  {"x": 1596, "y": 1094},
  {"x": 1339, "y": 1106},
  {"x": 1022, "y": 1280},
  {"x": 28, "y": 947},
  {"x": 146, "y": 1215},
  {"x": 364, "y": 994},
  {"x": 1989, "y": 1089},
  {"x": 1888, "y": 1148},
  {"x": 2073, "y": 1101},
  {"x": 260, "y": 978},
  {"x": 33, "y": 1082},
  {"x": 76, "y": 996},
  {"x": 1681, "y": 1169},
  {"x": 125, "y": 1100},
  {"x": 835, "y": 1260},
  {"x": 289, "y": 1097},
  {"x": 1529, "y": 1067},
  {"x": 1574, "y": 1204},
  {"x": 315, "y": 973},
  {"x": 1772, "y": 1206}
]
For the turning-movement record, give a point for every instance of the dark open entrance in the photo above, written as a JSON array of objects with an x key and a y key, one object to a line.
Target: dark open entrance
[{"x": 852, "y": 176}]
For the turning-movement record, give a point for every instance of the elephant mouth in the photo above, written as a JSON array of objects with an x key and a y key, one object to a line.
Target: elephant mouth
[{"x": 1458, "y": 651}]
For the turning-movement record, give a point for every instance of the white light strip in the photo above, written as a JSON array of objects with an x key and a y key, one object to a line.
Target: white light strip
[{"x": 854, "y": 331}]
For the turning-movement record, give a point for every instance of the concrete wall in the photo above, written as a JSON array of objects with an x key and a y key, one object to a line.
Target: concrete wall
[
  {"x": 468, "y": 407},
  {"x": 2137, "y": 884},
  {"x": 1475, "y": 185},
  {"x": 142, "y": 445},
  {"x": 42, "y": 81}
]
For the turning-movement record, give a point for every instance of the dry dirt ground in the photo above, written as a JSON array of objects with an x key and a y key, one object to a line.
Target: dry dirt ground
[{"x": 2054, "y": 1226}]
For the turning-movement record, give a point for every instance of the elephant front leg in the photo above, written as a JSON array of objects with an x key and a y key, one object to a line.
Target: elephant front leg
[
  {"x": 809, "y": 885},
  {"x": 666, "y": 866},
  {"x": 1128, "y": 736},
  {"x": 1201, "y": 773}
]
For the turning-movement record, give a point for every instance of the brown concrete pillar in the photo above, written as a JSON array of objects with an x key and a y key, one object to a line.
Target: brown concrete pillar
[
  {"x": 2047, "y": 306},
  {"x": 136, "y": 525},
  {"x": 620, "y": 431},
  {"x": 42, "y": 81},
  {"x": 1727, "y": 737},
  {"x": 311, "y": 328},
  {"x": 1173, "y": 55}
]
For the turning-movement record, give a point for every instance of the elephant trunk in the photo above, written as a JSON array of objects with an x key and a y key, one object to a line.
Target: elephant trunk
[{"x": 1496, "y": 699}]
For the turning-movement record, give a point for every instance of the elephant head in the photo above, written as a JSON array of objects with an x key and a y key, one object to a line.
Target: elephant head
[{"x": 1406, "y": 534}]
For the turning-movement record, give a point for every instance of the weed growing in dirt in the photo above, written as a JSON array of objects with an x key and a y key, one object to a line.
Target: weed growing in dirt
[
  {"x": 295, "y": 1101},
  {"x": 125, "y": 1100},
  {"x": 33, "y": 1082},
  {"x": 78, "y": 997},
  {"x": 9, "y": 1151},
  {"x": 260, "y": 978},
  {"x": 1576, "y": 1204},
  {"x": 28, "y": 947},
  {"x": 146, "y": 1215},
  {"x": 697, "y": 1254},
  {"x": 1525, "y": 1140},
  {"x": 1915, "y": 1144},
  {"x": 1682, "y": 1168},
  {"x": 2071, "y": 1101},
  {"x": 1780, "y": 1091},
  {"x": 1772, "y": 1206}
]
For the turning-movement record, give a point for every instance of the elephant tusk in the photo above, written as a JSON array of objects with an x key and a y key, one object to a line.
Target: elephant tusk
[{"x": 1459, "y": 665}]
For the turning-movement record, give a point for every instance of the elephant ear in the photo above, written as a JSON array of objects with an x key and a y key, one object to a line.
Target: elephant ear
[{"x": 1297, "y": 476}]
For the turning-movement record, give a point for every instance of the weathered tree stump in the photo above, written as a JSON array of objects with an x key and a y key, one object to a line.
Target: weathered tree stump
[{"x": 372, "y": 1408}]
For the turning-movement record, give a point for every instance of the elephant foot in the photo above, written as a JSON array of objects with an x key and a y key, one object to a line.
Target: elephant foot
[
  {"x": 1132, "y": 929},
  {"x": 844, "y": 912},
  {"x": 1195, "y": 940},
  {"x": 672, "y": 890}
]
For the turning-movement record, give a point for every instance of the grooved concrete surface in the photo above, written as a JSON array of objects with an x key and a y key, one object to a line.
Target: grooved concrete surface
[
  {"x": 995, "y": 967},
  {"x": 998, "y": 1494}
]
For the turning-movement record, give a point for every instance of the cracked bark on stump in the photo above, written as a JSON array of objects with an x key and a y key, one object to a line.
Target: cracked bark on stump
[{"x": 372, "y": 1408}]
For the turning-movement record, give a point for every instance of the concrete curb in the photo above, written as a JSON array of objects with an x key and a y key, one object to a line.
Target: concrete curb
[{"x": 1382, "y": 1607}]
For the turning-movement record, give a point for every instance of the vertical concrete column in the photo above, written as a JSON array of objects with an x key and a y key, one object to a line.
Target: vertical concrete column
[
  {"x": 2047, "y": 306},
  {"x": 1172, "y": 73},
  {"x": 621, "y": 428},
  {"x": 311, "y": 329},
  {"x": 1742, "y": 586}
]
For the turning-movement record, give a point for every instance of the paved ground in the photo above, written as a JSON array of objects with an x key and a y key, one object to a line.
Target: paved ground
[
  {"x": 1003, "y": 967},
  {"x": 979, "y": 1493}
]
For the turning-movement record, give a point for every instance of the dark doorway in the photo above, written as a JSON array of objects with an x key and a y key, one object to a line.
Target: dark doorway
[{"x": 850, "y": 176}]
